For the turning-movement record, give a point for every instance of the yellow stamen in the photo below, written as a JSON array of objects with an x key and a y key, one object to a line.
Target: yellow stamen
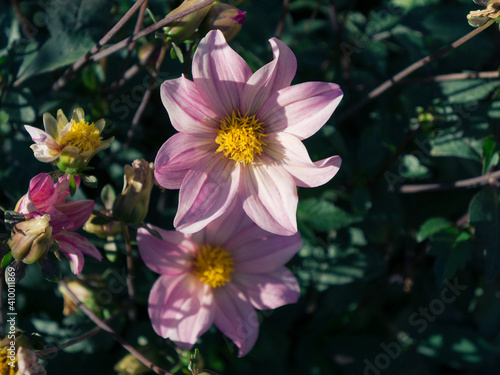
[
  {"x": 83, "y": 135},
  {"x": 5, "y": 368},
  {"x": 213, "y": 265},
  {"x": 239, "y": 137}
]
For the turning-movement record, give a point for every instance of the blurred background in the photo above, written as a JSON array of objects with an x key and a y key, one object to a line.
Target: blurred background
[{"x": 399, "y": 266}]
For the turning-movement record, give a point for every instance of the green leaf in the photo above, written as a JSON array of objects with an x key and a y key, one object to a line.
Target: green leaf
[
  {"x": 90, "y": 181},
  {"x": 108, "y": 196},
  {"x": 324, "y": 216},
  {"x": 489, "y": 145},
  {"x": 7, "y": 258},
  {"x": 412, "y": 168},
  {"x": 59, "y": 51},
  {"x": 453, "y": 143},
  {"x": 72, "y": 185},
  {"x": 431, "y": 227},
  {"x": 484, "y": 215}
]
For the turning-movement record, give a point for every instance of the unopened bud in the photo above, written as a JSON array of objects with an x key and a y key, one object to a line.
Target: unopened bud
[
  {"x": 183, "y": 28},
  {"x": 131, "y": 206},
  {"x": 102, "y": 227},
  {"x": 31, "y": 240},
  {"x": 479, "y": 18},
  {"x": 226, "y": 18}
]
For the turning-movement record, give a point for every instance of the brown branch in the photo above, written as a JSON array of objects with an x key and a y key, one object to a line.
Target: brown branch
[
  {"x": 22, "y": 19},
  {"x": 100, "y": 323},
  {"x": 490, "y": 178},
  {"x": 455, "y": 77},
  {"x": 151, "y": 29},
  {"x": 410, "y": 69},
  {"x": 281, "y": 23}
]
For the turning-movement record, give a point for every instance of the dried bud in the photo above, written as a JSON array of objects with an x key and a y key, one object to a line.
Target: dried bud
[
  {"x": 183, "y": 28},
  {"x": 27, "y": 362},
  {"x": 226, "y": 18},
  {"x": 31, "y": 240},
  {"x": 131, "y": 206},
  {"x": 478, "y": 18},
  {"x": 86, "y": 288}
]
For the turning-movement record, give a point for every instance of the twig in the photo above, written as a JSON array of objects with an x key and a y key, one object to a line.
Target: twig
[
  {"x": 137, "y": 28},
  {"x": 85, "y": 58},
  {"x": 76, "y": 340},
  {"x": 410, "y": 69},
  {"x": 281, "y": 23},
  {"x": 147, "y": 95},
  {"x": 151, "y": 29},
  {"x": 455, "y": 77},
  {"x": 100, "y": 323},
  {"x": 132, "y": 312},
  {"x": 22, "y": 19},
  {"x": 489, "y": 178}
]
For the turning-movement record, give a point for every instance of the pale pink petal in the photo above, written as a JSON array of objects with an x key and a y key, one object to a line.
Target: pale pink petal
[
  {"x": 186, "y": 108},
  {"x": 207, "y": 191},
  {"x": 46, "y": 148},
  {"x": 294, "y": 157},
  {"x": 269, "y": 290},
  {"x": 255, "y": 251},
  {"x": 228, "y": 225},
  {"x": 181, "y": 309},
  {"x": 301, "y": 109},
  {"x": 44, "y": 153},
  {"x": 171, "y": 255},
  {"x": 236, "y": 317},
  {"x": 62, "y": 186},
  {"x": 219, "y": 73},
  {"x": 76, "y": 212},
  {"x": 178, "y": 155},
  {"x": 75, "y": 246},
  {"x": 270, "y": 78},
  {"x": 269, "y": 197}
]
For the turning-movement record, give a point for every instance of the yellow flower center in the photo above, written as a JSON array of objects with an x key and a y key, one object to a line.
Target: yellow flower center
[
  {"x": 5, "y": 368},
  {"x": 213, "y": 265},
  {"x": 83, "y": 135},
  {"x": 239, "y": 137}
]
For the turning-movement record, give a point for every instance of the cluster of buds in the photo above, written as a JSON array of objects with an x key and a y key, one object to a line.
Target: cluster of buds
[{"x": 216, "y": 16}]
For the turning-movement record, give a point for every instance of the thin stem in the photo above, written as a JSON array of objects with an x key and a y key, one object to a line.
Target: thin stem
[
  {"x": 455, "y": 77},
  {"x": 85, "y": 58},
  {"x": 410, "y": 69},
  {"x": 76, "y": 340},
  {"x": 100, "y": 323},
  {"x": 151, "y": 29},
  {"x": 132, "y": 312},
  {"x": 281, "y": 24},
  {"x": 489, "y": 178},
  {"x": 22, "y": 19},
  {"x": 147, "y": 95}
]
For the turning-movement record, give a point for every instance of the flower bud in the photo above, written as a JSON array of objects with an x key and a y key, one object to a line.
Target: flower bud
[
  {"x": 182, "y": 29},
  {"x": 31, "y": 240},
  {"x": 226, "y": 18},
  {"x": 131, "y": 206},
  {"x": 479, "y": 18},
  {"x": 102, "y": 227}
]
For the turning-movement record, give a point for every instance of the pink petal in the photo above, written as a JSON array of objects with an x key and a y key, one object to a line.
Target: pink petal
[
  {"x": 170, "y": 256},
  {"x": 269, "y": 196},
  {"x": 301, "y": 109},
  {"x": 181, "y": 309},
  {"x": 62, "y": 187},
  {"x": 219, "y": 73},
  {"x": 178, "y": 155},
  {"x": 228, "y": 225},
  {"x": 46, "y": 148},
  {"x": 75, "y": 246},
  {"x": 207, "y": 191},
  {"x": 186, "y": 108},
  {"x": 255, "y": 250},
  {"x": 236, "y": 317},
  {"x": 293, "y": 154},
  {"x": 269, "y": 290},
  {"x": 76, "y": 212},
  {"x": 270, "y": 78},
  {"x": 42, "y": 192}
]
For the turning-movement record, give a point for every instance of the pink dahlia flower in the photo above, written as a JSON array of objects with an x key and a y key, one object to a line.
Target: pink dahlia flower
[
  {"x": 218, "y": 275},
  {"x": 46, "y": 197},
  {"x": 240, "y": 135}
]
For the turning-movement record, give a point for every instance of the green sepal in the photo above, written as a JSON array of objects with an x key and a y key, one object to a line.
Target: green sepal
[{"x": 72, "y": 185}]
